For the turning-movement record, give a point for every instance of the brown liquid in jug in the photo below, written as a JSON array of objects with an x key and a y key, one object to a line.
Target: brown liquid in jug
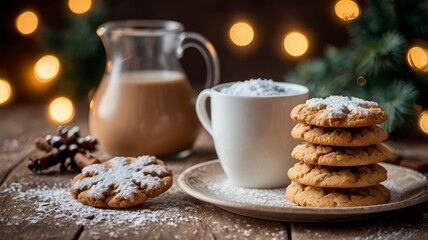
[{"x": 146, "y": 112}]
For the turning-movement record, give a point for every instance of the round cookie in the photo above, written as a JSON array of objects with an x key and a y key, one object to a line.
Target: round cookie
[
  {"x": 121, "y": 182},
  {"x": 337, "y": 177},
  {"x": 339, "y": 111},
  {"x": 346, "y": 137},
  {"x": 339, "y": 156},
  {"x": 337, "y": 197}
]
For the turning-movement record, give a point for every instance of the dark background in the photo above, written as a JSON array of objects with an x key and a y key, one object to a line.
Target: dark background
[{"x": 265, "y": 57}]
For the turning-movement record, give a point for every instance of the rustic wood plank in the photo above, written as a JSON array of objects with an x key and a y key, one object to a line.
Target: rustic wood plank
[
  {"x": 411, "y": 223},
  {"x": 39, "y": 230},
  {"x": 14, "y": 137},
  {"x": 20, "y": 219},
  {"x": 30, "y": 119},
  {"x": 200, "y": 221},
  {"x": 10, "y": 159}
]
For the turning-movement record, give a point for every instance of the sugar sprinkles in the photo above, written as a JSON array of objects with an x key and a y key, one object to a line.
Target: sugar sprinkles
[
  {"x": 256, "y": 87},
  {"x": 56, "y": 202},
  {"x": 339, "y": 105},
  {"x": 224, "y": 189}
]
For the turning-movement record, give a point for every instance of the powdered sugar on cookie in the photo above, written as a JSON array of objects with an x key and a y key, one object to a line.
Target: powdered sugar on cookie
[
  {"x": 336, "y": 106},
  {"x": 122, "y": 178},
  {"x": 339, "y": 112}
]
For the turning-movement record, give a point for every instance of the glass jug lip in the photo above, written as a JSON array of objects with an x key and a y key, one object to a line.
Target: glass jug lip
[{"x": 140, "y": 27}]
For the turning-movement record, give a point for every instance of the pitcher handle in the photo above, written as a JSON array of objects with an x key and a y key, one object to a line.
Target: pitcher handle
[{"x": 191, "y": 39}]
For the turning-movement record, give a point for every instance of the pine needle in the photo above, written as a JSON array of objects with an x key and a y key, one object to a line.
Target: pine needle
[{"x": 397, "y": 99}]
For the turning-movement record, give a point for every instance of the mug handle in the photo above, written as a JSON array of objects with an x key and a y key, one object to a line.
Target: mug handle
[
  {"x": 191, "y": 39},
  {"x": 201, "y": 109}
]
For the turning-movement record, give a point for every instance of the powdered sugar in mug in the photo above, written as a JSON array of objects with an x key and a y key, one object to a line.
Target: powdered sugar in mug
[{"x": 250, "y": 124}]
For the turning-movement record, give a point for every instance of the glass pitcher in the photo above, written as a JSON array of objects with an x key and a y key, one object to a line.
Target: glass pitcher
[{"x": 145, "y": 103}]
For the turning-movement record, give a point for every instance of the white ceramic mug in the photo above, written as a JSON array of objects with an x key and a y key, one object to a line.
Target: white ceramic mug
[{"x": 252, "y": 135}]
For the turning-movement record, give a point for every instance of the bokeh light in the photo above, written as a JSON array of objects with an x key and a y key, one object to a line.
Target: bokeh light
[
  {"x": 347, "y": 10},
  {"x": 296, "y": 44},
  {"x": 241, "y": 34},
  {"x": 361, "y": 81},
  {"x": 47, "y": 68},
  {"x": 27, "y": 22},
  {"x": 61, "y": 110},
  {"x": 417, "y": 58},
  {"x": 5, "y": 92},
  {"x": 423, "y": 121},
  {"x": 79, "y": 6}
]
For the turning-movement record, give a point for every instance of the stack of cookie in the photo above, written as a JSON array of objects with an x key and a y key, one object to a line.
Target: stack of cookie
[{"x": 340, "y": 154}]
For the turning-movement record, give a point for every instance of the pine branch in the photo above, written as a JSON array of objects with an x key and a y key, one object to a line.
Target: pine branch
[
  {"x": 397, "y": 99},
  {"x": 384, "y": 11},
  {"x": 377, "y": 19},
  {"x": 80, "y": 50},
  {"x": 380, "y": 54},
  {"x": 323, "y": 76}
]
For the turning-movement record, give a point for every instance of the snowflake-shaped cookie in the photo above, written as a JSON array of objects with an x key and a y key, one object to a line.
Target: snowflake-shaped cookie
[{"x": 121, "y": 182}]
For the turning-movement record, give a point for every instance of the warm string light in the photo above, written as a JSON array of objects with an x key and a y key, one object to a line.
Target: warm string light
[
  {"x": 5, "y": 91},
  {"x": 423, "y": 121},
  {"x": 347, "y": 10},
  {"x": 27, "y": 22},
  {"x": 296, "y": 44},
  {"x": 79, "y": 6},
  {"x": 241, "y": 34},
  {"x": 61, "y": 110},
  {"x": 47, "y": 68},
  {"x": 417, "y": 58}
]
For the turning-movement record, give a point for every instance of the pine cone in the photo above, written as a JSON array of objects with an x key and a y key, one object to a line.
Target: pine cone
[{"x": 67, "y": 147}]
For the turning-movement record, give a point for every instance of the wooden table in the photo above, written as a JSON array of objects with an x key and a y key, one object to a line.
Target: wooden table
[{"x": 182, "y": 217}]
